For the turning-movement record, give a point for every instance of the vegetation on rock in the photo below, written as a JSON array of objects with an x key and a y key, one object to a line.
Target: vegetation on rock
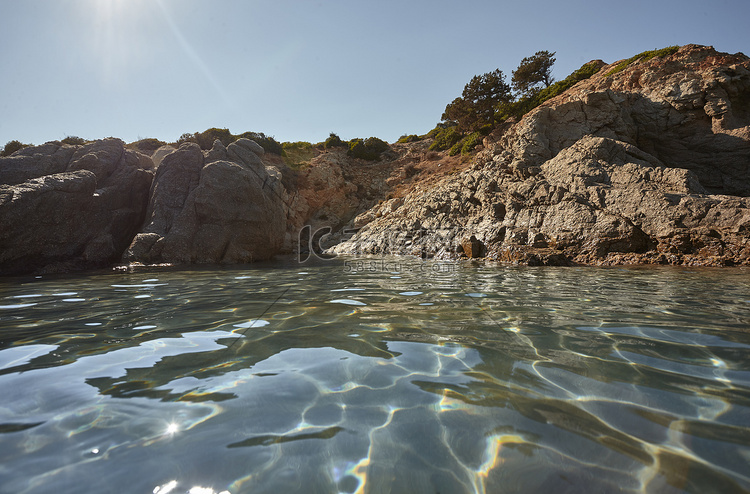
[
  {"x": 148, "y": 145},
  {"x": 298, "y": 153},
  {"x": 643, "y": 57},
  {"x": 525, "y": 104},
  {"x": 13, "y": 146},
  {"x": 487, "y": 101},
  {"x": 368, "y": 149},
  {"x": 475, "y": 107},
  {"x": 468, "y": 143},
  {"x": 206, "y": 139},
  {"x": 333, "y": 141},
  {"x": 405, "y": 139},
  {"x": 74, "y": 141},
  {"x": 445, "y": 138},
  {"x": 533, "y": 72}
]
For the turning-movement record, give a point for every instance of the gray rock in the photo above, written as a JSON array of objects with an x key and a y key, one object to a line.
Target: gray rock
[
  {"x": 33, "y": 162},
  {"x": 204, "y": 210},
  {"x": 161, "y": 153},
  {"x": 217, "y": 153},
  {"x": 246, "y": 152},
  {"x": 83, "y": 217}
]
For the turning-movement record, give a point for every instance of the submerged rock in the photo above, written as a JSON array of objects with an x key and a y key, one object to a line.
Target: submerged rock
[
  {"x": 70, "y": 207},
  {"x": 222, "y": 206}
]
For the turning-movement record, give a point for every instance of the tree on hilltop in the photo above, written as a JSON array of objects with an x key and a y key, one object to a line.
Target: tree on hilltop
[
  {"x": 534, "y": 72},
  {"x": 476, "y": 106}
]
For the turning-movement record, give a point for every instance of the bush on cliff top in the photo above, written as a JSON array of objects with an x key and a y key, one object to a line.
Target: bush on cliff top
[
  {"x": 524, "y": 105},
  {"x": 476, "y": 105},
  {"x": 445, "y": 138},
  {"x": 368, "y": 149},
  {"x": 148, "y": 145},
  {"x": 268, "y": 143},
  {"x": 298, "y": 153},
  {"x": 206, "y": 139},
  {"x": 74, "y": 141},
  {"x": 643, "y": 57},
  {"x": 13, "y": 146},
  {"x": 333, "y": 141},
  {"x": 467, "y": 114},
  {"x": 405, "y": 139}
]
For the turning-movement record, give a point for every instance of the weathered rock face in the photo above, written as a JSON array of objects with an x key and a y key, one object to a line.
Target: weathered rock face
[
  {"x": 222, "y": 206},
  {"x": 651, "y": 164},
  {"x": 70, "y": 207},
  {"x": 161, "y": 153},
  {"x": 690, "y": 110}
]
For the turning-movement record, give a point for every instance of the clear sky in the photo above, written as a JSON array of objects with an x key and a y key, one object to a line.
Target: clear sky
[{"x": 300, "y": 69}]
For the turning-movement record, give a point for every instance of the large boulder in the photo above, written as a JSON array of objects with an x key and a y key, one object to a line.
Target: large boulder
[
  {"x": 221, "y": 206},
  {"x": 70, "y": 207}
]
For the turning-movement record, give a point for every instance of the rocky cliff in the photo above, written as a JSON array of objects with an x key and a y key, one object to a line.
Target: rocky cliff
[{"x": 648, "y": 164}]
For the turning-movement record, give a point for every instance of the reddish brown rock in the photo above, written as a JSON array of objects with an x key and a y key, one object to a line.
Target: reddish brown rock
[{"x": 473, "y": 247}]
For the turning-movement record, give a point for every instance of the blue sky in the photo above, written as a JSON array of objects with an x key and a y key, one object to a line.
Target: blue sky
[{"x": 298, "y": 70}]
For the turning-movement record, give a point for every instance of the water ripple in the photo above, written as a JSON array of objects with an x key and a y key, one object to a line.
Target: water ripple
[{"x": 472, "y": 379}]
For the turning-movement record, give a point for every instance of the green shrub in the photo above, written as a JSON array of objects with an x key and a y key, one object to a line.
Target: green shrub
[
  {"x": 524, "y": 105},
  {"x": 186, "y": 137},
  {"x": 405, "y": 139},
  {"x": 368, "y": 149},
  {"x": 13, "y": 146},
  {"x": 333, "y": 141},
  {"x": 643, "y": 57},
  {"x": 434, "y": 132},
  {"x": 470, "y": 142},
  {"x": 440, "y": 127},
  {"x": 74, "y": 141},
  {"x": 445, "y": 139},
  {"x": 268, "y": 143},
  {"x": 297, "y": 153},
  {"x": 148, "y": 145},
  {"x": 206, "y": 138},
  {"x": 376, "y": 145},
  {"x": 476, "y": 105},
  {"x": 456, "y": 148}
]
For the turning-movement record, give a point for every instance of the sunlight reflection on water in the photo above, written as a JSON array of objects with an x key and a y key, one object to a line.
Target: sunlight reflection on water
[{"x": 474, "y": 379}]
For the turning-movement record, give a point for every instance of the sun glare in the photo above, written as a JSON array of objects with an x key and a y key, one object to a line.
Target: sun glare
[
  {"x": 116, "y": 30},
  {"x": 111, "y": 8}
]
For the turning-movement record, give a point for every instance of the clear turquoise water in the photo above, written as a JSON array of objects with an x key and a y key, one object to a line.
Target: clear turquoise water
[{"x": 397, "y": 376}]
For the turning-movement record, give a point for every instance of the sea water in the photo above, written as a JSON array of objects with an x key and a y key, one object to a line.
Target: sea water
[{"x": 371, "y": 375}]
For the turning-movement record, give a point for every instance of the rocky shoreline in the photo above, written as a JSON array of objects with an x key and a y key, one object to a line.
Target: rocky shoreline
[{"x": 648, "y": 165}]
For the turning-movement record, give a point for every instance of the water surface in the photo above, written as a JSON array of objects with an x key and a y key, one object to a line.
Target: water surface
[{"x": 376, "y": 376}]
